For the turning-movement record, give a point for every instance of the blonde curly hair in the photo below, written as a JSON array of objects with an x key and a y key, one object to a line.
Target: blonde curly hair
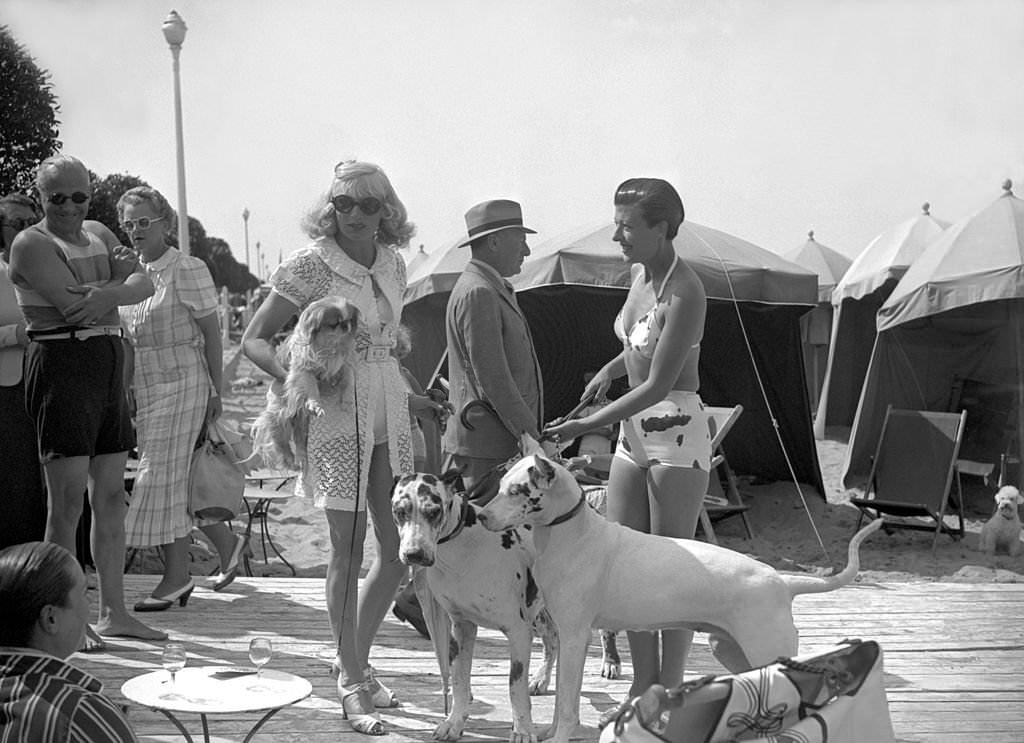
[{"x": 359, "y": 180}]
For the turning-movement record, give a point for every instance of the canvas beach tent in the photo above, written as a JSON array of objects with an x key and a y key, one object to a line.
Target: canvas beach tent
[
  {"x": 856, "y": 299},
  {"x": 413, "y": 259},
  {"x": 816, "y": 326},
  {"x": 956, "y": 316},
  {"x": 573, "y": 285}
]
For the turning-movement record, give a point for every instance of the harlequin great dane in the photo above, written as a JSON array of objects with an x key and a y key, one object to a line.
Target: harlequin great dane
[
  {"x": 480, "y": 578},
  {"x": 595, "y": 573}
]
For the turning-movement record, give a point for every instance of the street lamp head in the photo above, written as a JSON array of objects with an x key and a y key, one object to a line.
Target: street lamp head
[
  {"x": 174, "y": 29},
  {"x": 245, "y": 214}
]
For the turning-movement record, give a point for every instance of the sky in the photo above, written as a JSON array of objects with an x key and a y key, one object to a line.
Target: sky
[{"x": 771, "y": 118}]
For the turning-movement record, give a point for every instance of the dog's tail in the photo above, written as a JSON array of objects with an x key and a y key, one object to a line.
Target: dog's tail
[
  {"x": 812, "y": 584},
  {"x": 269, "y": 443}
]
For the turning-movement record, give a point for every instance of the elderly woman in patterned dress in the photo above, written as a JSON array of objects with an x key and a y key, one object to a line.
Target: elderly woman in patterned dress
[
  {"x": 355, "y": 229},
  {"x": 177, "y": 380}
]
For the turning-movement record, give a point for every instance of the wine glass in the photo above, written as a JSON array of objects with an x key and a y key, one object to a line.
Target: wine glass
[
  {"x": 174, "y": 658},
  {"x": 260, "y": 650}
]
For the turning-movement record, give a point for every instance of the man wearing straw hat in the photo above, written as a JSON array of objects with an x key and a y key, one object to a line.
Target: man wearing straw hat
[{"x": 495, "y": 379}]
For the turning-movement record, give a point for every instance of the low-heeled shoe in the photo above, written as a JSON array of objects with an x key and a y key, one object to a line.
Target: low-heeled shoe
[
  {"x": 225, "y": 578},
  {"x": 162, "y": 603}
]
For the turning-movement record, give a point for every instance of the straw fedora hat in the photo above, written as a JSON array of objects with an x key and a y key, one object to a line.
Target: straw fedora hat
[{"x": 492, "y": 216}]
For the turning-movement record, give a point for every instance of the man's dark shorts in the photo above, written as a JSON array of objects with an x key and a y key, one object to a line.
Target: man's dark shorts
[{"x": 74, "y": 392}]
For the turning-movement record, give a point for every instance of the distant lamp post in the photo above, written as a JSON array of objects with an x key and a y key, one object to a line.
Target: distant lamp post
[
  {"x": 245, "y": 221},
  {"x": 259, "y": 262},
  {"x": 174, "y": 29}
]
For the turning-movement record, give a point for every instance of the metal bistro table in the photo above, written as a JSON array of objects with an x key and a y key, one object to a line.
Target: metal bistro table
[
  {"x": 206, "y": 690},
  {"x": 258, "y": 497}
]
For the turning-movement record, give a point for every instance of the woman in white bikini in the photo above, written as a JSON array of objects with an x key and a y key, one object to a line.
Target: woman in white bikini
[{"x": 659, "y": 473}]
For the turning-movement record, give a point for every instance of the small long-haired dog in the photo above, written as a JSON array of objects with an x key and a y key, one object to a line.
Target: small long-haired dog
[
  {"x": 1002, "y": 531},
  {"x": 317, "y": 356}
]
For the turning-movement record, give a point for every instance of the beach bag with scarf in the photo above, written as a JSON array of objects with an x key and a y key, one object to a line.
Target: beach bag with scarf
[{"x": 838, "y": 697}]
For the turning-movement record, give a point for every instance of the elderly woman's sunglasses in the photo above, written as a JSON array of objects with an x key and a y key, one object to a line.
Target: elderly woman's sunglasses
[
  {"x": 142, "y": 223},
  {"x": 345, "y": 204},
  {"x": 78, "y": 197}
]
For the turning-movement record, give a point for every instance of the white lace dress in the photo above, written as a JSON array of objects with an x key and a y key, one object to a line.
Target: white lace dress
[{"x": 340, "y": 444}]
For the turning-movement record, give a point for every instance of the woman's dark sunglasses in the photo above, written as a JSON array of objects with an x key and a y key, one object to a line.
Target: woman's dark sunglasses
[
  {"x": 78, "y": 197},
  {"x": 345, "y": 204}
]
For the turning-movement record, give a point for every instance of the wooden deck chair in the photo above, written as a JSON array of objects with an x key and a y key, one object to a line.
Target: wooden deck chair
[
  {"x": 913, "y": 471},
  {"x": 723, "y": 499}
]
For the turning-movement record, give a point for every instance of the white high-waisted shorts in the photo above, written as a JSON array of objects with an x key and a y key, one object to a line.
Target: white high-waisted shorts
[{"x": 671, "y": 433}]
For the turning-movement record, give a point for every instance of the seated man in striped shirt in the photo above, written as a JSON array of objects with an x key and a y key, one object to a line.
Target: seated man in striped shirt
[{"x": 43, "y": 615}]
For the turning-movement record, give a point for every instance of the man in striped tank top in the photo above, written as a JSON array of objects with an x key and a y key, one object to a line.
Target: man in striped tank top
[{"x": 70, "y": 276}]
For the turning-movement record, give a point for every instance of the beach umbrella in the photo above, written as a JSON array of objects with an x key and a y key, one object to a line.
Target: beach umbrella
[
  {"x": 438, "y": 272},
  {"x": 413, "y": 261},
  {"x": 956, "y": 315},
  {"x": 816, "y": 326},
  {"x": 888, "y": 256},
  {"x": 867, "y": 283},
  {"x": 572, "y": 286},
  {"x": 829, "y": 265},
  {"x": 729, "y": 267}
]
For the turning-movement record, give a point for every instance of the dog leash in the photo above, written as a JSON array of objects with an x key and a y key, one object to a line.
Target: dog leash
[{"x": 583, "y": 403}]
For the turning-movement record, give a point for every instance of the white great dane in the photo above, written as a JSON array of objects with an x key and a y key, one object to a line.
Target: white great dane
[
  {"x": 594, "y": 573},
  {"x": 480, "y": 578}
]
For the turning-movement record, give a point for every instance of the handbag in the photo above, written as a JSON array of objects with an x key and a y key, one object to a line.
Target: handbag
[
  {"x": 838, "y": 696},
  {"x": 216, "y": 480}
]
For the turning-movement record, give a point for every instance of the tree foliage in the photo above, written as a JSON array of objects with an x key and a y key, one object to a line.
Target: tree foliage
[
  {"x": 28, "y": 116},
  {"x": 105, "y": 193},
  {"x": 234, "y": 275}
]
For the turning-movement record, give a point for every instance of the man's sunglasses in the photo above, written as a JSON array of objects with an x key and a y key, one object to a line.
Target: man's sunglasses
[
  {"x": 78, "y": 197},
  {"x": 142, "y": 223},
  {"x": 345, "y": 204}
]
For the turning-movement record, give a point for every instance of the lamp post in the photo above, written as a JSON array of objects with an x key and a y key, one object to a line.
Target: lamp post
[
  {"x": 259, "y": 262},
  {"x": 174, "y": 29},
  {"x": 245, "y": 221}
]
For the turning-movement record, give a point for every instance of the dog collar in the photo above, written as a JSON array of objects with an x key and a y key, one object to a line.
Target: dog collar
[
  {"x": 572, "y": 512},
  {"x": 459, "y": 526}
]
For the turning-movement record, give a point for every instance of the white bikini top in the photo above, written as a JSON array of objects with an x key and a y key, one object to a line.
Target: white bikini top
[{"x": 643, "y": 336}]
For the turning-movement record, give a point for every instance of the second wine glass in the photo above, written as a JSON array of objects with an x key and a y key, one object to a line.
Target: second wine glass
[
  {"x": 174, "y": 658},
  {"x": 260, "y": 650}
]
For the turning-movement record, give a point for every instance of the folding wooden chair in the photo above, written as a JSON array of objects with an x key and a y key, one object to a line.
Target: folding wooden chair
[
  {"x": 723, "y": 499},
  {"x": 913, "y": 471}
]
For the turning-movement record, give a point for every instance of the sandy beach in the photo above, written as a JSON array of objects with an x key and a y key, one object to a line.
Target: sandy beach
[{"x": 791, "y": 524}]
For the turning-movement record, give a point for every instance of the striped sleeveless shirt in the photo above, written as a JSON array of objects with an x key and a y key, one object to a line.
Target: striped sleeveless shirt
[{"x": 90, "y": 264}]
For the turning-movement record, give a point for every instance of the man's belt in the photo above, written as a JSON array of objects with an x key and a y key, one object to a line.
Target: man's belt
[{"x": 77, "y": 334}]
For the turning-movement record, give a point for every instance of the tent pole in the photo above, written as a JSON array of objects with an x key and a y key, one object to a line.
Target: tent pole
[{"x": 1018, "y": 342}]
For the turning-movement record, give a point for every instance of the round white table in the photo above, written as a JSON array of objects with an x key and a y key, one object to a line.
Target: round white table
[{"x": 206, "y": 690}]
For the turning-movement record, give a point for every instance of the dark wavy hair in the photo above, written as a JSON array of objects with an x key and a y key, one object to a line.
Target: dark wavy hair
[
  {"x": 33, "y": 575},
  {"x": 656, "y": 201}
]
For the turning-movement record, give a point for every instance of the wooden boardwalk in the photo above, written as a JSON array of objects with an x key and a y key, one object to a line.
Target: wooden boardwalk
[{"x": 954, "y": 661}]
